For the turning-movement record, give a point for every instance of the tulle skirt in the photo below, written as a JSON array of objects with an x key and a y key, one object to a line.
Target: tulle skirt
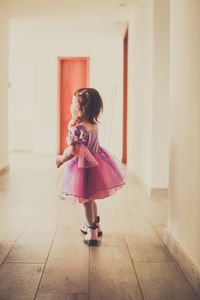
[{"x": 80, "y": 185}]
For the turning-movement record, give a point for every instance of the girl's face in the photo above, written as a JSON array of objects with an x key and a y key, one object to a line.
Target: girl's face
[{"x": 75, "y": 107}]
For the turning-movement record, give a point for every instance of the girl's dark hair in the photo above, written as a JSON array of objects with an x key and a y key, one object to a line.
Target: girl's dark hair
[{"x": 90, "y": 103}]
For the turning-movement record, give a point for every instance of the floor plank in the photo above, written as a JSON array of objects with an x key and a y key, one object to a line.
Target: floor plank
[
  {"x": 163, "y": 281},
  {"x": 5, "y": 248},
  {"x": 111, "y": 273},
  {"x": 19, "y": 281},
  {"x": 67, "y": 267},
  {"x": 62, "y": 297},
  {"x": 143, "y": 242},
  {"x": 34, "y": 244}
]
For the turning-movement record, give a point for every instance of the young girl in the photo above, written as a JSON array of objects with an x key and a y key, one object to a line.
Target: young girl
[{"x": 90, "y": 171}]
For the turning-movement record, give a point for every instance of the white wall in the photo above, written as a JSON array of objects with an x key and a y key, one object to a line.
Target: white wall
[
  {"x": 148, "y": 92},
  {"x": 140, "y": 90},
  {"x": 34, "y": 48},
  {"x": 3, "y": 90},
  {"x": 160, "y": 144},
  {"x": 184, "y": 183}
]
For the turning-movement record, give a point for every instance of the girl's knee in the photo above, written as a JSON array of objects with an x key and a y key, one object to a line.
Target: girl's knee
[{"x": 89, "y": 203}]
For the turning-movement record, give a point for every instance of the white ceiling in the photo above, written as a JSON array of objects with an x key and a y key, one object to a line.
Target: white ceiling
[{"x": 108, "y": 13}]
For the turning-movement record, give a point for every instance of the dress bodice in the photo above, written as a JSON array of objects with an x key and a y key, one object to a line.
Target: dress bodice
[
  {"x": 81, "y": 135},
  {"x": 93, "y": 142}
]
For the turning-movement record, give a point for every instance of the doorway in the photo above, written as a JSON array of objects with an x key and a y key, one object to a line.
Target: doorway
[{"x": 73, "y": 73}]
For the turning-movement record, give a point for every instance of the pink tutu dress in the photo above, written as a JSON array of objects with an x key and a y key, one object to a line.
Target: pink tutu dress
[{"x": 92, "y": 173}]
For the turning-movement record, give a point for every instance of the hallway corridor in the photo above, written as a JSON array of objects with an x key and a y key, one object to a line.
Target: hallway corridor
[{"x": 42, "y": 255}]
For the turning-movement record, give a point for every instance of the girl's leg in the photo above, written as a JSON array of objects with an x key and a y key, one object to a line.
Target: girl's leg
[
  {"x": 97, "y": 218},
  {"x": 89, "y": 212},
  {"x": 94, "y": 209}
]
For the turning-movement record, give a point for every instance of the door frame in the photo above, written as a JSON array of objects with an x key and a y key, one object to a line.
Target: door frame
[
  {"x": 59, "y": 62},
  {"x": 125, "y": 97}
]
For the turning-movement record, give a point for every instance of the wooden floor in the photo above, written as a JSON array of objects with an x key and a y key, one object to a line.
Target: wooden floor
[{"x": 42, "y": 254}]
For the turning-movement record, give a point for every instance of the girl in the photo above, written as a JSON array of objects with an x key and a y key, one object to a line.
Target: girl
[{"x": 90, "y": 171}]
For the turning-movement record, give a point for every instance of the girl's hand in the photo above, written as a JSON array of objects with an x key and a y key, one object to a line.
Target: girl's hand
[
  {"x": 59, "y": 162},
  {"x": 72, "y": 122},
  {"x": 67, "y": 154}
]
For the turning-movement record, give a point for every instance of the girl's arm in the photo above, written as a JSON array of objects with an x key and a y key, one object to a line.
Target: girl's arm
[{"x": 67, "y": 155}]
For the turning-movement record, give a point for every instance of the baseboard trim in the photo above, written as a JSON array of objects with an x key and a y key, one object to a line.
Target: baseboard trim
[
  {"x": 183, "y": 260},
  {"x": 4, "y": 169}
]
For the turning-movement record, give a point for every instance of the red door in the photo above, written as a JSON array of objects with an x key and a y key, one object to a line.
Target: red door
[
  {"x": 73, "y": 73},
  {"x": 125, "y": 98}
]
